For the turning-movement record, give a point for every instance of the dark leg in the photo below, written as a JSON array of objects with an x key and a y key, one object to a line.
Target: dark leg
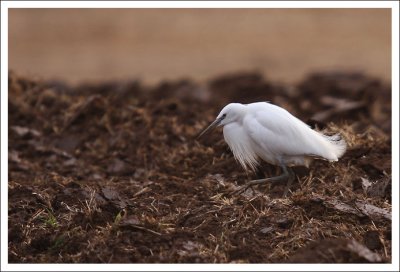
[
  {"x": 289, "y": 182},
  {"x": 287, "y": 175},
  {"x": 260, "y": 173}
]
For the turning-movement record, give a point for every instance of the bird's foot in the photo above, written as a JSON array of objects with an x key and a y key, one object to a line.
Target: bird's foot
[
  {"x": 273, "y": 181},
  {"x": 250, "y": 184},
  {"x": 241, "y": 189}
]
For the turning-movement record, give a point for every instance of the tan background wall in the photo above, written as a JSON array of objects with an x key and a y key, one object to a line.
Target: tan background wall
[{"x": 155, "y": 44}]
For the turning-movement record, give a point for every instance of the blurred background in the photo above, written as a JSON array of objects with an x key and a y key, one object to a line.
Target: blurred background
[{"x": 163, "y": 44}]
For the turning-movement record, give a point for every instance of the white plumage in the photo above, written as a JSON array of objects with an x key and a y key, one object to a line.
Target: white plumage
[{"x": 265, "y": 131}]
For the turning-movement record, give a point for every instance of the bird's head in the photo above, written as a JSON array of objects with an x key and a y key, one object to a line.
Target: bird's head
[{"x": 232, "y": 112}]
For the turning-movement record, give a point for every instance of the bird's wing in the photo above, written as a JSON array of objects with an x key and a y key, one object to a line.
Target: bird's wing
[{"x": 279, "y": 132}]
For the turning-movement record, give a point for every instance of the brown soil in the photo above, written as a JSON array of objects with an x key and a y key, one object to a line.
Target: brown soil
[{"x": 111, "y": 172}]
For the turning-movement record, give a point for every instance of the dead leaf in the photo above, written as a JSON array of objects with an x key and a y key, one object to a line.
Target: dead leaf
[
  {"x": 373, "y": 211},
  {"x": 24, "y": 131},
  {"x": 130, "y": 220},
  {"x": 118, "y": 167},
  {"x": 68, "y": 143},
  {"x": 113, "y": 196},
  {"x": 380, "y": 188},
  {"x": 266, "y": 230},
  {"x": 363, "y": 251},
  {"x": 372, "y": 240},
  {"x": 336, "y": 204},
  {"x": 110, "y": 193},
  {"x": 336, "y": 250},
  {"x": 14, "y": 156},
  {"x": 366, "y": 184}
]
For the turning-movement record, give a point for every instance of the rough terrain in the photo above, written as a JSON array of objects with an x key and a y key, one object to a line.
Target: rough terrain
[{"x": 111, "y": 172}]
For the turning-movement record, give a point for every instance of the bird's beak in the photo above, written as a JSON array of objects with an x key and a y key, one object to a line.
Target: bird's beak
[{"x": 213, "y": 125}]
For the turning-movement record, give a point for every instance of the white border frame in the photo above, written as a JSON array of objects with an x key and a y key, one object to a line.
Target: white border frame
[{"x": 5, "y": 5}]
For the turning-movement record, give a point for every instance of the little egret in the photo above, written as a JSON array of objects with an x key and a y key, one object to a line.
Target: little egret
[{"x": 265, "y": 131}]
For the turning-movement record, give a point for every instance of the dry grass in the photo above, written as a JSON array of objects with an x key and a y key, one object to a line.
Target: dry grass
[{"x": 118, "y": 176}]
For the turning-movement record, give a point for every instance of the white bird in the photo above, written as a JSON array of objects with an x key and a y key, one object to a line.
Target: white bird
[{"x": 265, "y": 131}]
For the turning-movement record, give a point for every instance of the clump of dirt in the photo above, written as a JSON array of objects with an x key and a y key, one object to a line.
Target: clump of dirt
[{"x": 111, "y": 172}]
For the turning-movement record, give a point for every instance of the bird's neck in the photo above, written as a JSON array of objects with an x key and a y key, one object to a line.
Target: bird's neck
[{"x": 240, "y": 111}]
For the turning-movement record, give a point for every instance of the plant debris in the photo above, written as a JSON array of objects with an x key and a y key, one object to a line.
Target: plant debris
[
  {"x": 336, "y": 251},
  {"x": 110, "y": 172}
]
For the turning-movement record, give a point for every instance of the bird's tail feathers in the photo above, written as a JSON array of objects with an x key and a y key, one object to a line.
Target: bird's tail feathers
[{"x": 338, "y": 144}]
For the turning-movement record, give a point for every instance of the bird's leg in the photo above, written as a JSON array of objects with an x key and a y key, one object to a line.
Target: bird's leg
[
  {"x": 291, "y": 177},
  {"x": 288, "y": 175},
  {"x": 260, "y": 173}
]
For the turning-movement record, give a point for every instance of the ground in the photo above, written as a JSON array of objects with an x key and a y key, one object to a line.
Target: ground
[{"x": 112, "y": 172}]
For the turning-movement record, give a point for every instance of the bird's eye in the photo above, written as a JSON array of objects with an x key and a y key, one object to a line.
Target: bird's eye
[{"x": 224, "y": 115}]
